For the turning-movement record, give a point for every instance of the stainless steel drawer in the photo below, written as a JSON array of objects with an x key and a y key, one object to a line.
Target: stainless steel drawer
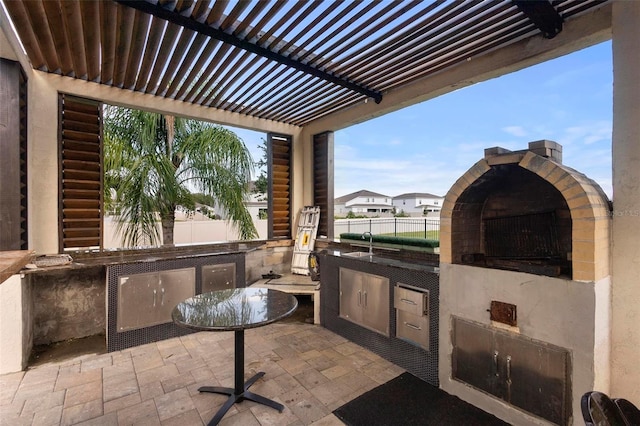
[
  {"x": 413, "y": 328},
  {"x": 411, "y": 301}
]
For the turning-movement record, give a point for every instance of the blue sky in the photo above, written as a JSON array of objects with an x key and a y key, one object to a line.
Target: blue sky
[{"x": 426, "y": 147}]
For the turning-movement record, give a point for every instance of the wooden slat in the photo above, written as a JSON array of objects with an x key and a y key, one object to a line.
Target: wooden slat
[
  {"x": 72, "y": 135},
  {"x": 126, "y": 17},
  {"x": 82, "y": 126},
  {"x": 166, "y": 47},
  {"x": 186, "y": 66},
  {"x": 70, "y": 203},
  {"x": 151, "y": 50},
  {"x": 79, "y": 175},
  {"x": 82, "y": 155},
  {"x": 54, "y": 17},
  {"x": 38, "y": 21},
  {"x": 90, "y": 18},
  {"x": 76, "y": 233},
  {"x": 108, "y": 26},
  {"x": 81, "y": 214},
  {"x": 70, "y": 184},
  {"x": 197, "y": 68},
  {"x": 83, "y": 146},
  {"x": 139, "y": 38},
  {"x": 81, "y": 165},
  {"x": 212, "y": 72},
  {"x": 86, "y": 107},
  {"x": 80, "y": 222},
  {"x": 28, "y": 38},
  {"x": 170, "y": 74},
  {"x": 72, "y": 18}
]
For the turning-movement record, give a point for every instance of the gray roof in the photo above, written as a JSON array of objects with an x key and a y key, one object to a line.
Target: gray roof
[
  {"x": 416, "y": 195},
  {"x": 361, "y": 193}
]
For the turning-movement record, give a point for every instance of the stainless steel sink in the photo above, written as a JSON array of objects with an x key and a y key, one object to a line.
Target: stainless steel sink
[{"x": 358, "y": 254}]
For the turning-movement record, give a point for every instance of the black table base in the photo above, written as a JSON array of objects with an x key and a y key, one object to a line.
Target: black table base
[{"x": 241, "y": 390}]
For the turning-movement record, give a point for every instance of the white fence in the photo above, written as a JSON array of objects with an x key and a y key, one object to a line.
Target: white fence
[
  {"x": 209, "y": 231},
  {"x": 189, "y": 232},
  {"x": 428, "y": 228}
]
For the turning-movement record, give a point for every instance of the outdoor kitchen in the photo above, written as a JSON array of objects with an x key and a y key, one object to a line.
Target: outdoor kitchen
[
  {"x": 527, "y": 304},
  {"x": 524, "y": 285}
]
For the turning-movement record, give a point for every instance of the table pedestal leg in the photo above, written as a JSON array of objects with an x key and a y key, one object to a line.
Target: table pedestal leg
[{"x": 241, "y": 390}]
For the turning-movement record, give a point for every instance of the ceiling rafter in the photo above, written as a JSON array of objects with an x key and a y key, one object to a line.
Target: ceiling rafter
[
  {"x": 543, "y": 15},
  {"x": 160, "y": 12}
]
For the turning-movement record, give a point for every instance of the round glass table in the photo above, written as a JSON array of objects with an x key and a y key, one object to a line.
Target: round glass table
[{"x": 235, "y": 310}]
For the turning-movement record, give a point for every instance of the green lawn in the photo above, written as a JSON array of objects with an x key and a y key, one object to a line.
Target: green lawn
[{"x": 431, "y": 235}]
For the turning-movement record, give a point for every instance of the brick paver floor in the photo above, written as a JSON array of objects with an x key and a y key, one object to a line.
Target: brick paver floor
[{"x": 309, "y": 369}]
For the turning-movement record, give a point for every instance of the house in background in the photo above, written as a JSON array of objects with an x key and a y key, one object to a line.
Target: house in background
[
  {"x": 418, "y": 204},
  {"x": 363, "y": 202}
]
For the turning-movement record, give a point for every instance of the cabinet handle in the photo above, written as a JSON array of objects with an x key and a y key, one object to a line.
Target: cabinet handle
[
  {"x": 365, "y": 299},
  {"x": 410, "y": 302},
  {"x": 415, "y": 327},
  {"x": 154, "y": 297},
  {"x": 359, "y": 298},
  {"x": 495, "y": 363},
  {"x": 509, "y": 378},
  {"x": 162, "y": 298}
]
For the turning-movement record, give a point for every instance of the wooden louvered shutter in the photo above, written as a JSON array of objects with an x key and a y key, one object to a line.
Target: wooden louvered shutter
[
  {"x": 13, "y": 157},
  {"x": 323, "y": 181},
  {"x": 80, "y": 173},
  {"x": 279, "y": 179}
]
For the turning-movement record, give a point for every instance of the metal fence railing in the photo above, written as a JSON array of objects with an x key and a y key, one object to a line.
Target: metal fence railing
[{"x": 428, "y": 228}]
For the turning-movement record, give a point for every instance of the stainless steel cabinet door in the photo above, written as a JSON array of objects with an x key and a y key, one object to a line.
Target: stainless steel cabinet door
[
  {"x": 535, "y": 377},
  {"x": 376, "y": 303},
  {"x": 137, "y": 295},
  {"x": 474, "y": 359},
  {"x": 218, "y": 277},
  {"x": 351, "y": 295},
  {"x": 176, "y": 285},
  {"x": 147, "y": 299}
]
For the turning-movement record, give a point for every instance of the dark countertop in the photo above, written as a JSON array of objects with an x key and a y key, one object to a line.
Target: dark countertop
[
  {"x": 118, "y": 257},
  {"x": 11, "y": 262},
  {"x": 381, "y": 259}
]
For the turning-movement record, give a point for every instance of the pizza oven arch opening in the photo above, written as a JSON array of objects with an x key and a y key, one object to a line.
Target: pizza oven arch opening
[
  {"x": 525, "y": 211},
  {"x": 513, "y": 219}
]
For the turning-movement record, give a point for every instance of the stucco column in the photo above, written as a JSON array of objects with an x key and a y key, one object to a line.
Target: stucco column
[{"x": 625, "y": 372}]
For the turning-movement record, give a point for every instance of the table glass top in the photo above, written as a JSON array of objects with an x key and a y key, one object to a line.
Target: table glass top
[{"x": 234, "y": 309}]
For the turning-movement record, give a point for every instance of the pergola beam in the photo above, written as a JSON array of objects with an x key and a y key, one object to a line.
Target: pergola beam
[
  {"x": 542, "y": 14},
  {"x": 202, "y": 28}
]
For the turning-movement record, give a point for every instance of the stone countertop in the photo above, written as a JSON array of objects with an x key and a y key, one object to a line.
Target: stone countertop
[
  {"x": 117, "y": 257},
  {"x": 380, "y": 259},
  {"x": 11, "y": 262}
]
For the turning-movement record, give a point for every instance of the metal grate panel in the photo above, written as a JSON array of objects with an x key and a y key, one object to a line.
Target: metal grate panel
[{"x": 531, "y": 236}]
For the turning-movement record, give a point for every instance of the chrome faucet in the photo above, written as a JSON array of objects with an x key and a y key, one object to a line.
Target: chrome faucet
[{"x": 370, "y": 241}]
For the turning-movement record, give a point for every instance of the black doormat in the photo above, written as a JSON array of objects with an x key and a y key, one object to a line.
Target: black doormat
[{"x": 407, "y": 400}]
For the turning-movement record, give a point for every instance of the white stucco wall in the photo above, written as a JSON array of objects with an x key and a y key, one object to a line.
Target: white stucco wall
[
  {"x": 42, "y": 169},
  {"x": 13, "y": 326},
  {"x": 625, "y": 255},
  {"x": 572, "y": 315}
]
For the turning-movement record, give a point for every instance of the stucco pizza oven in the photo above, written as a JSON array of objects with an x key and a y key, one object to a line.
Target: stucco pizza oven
[{"x": 525, "y": 286}]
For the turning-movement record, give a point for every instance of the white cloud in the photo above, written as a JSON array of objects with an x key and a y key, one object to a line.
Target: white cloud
[
  {"x": 517, "y": 131},
  {"x": 588, "y": 133}
]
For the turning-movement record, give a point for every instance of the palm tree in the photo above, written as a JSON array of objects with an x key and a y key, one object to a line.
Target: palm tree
[{"x": 151, "y": 161}]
